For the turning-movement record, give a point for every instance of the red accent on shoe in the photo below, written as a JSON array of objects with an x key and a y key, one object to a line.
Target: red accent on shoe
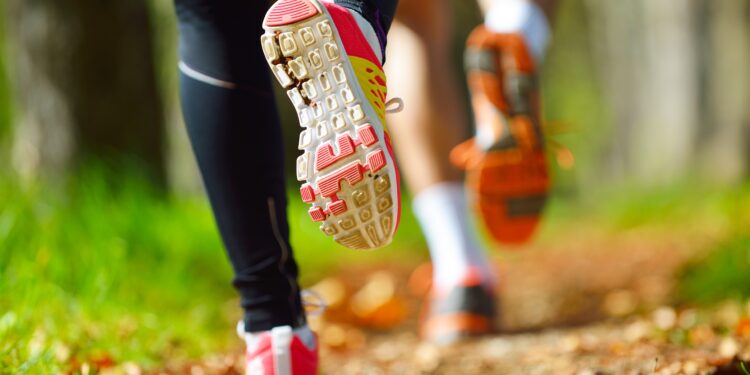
[
  {"x": 475, "y": 276},
  {"x": 366, "y": 135},
  {"x": 324, "y": 156},
  {"x": 337, "y": 208},
  {"x": 351, "y": 35},
  {"x": 376, "y": 160},
  {"x": 304, "y": 360},
  {"x": 285, "y": 12},
  {"x": 329, "y": 185},
  {"x": 317, "y": 214},
  {"x": 308, "y": 193}
]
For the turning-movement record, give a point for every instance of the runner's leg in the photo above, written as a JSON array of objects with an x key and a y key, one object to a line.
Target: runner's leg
[
  {"x": 433, "y": 122},
  {"x": 227, "y": 103},
  {"x": 233, "y": 126}
]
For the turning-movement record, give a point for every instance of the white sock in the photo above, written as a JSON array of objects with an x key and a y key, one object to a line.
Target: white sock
[
  {"x": 523, "y": 17},
  {"x": 442, "y": 211}
]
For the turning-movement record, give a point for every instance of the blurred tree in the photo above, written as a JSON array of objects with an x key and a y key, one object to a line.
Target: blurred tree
[
  {"x": 5, "y": 107},
  {"x": 676, "y": 74},
  {"x": 648, "y": 68},
  {"x": 724, "y": 148},
  {"x": 85, "y": 82}
]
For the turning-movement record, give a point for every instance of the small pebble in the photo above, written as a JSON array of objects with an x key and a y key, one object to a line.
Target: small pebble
[
  {"x": 620, "y": 303},
  {"x": 386, "y": 353},
  {"x": 427, "y": 358},
  {"x": 636, "y": 331},
  {"x": 690, "y": 368},
  {"x": 728, "y": 347},
  {"x": 665, "y": 318},
  {"x": 334, "y": 336},
  {"x": 687, "y": 319},
  {"x": 570, "y": 343},
  {"x": 701, "y": 334},
  {"x": 728, "y": 314},
  {"x": 589, "y": 341},
  {"x": 496, "y": 347}
]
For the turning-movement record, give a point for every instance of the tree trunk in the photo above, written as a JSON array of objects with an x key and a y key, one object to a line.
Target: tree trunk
[
  {"x": 650, "y": 63},
  {"x": 663, "y": 144},
  {"x": 85, "y": 82},
  {"x": 617, "y": 42},
  {"x": 723, "y": 143}
]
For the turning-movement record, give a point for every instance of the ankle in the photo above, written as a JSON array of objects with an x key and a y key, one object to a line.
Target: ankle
[{"x": 456, "y": 253}]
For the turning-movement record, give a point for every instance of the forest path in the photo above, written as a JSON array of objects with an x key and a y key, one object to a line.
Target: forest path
[{"x": 587, "y": 306}]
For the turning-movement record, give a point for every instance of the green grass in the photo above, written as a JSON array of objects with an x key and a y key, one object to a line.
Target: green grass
[
  {"x": 128, "y": 274},
  {"x": 679, "y": 207},
  {"x": 722, "y": 274},
  {"x": 722, "y": 215},
  {"x": 92, "y": 272}
]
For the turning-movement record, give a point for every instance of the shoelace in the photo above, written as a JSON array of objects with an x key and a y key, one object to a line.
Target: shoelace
[
  {"x": 313, "y": 302},
  {"x": 397, "y": 102},
  {"x": 564, "y": 157},
  {"x": 465, "y": 154}
]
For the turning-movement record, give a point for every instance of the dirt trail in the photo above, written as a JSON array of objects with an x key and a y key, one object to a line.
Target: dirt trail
[{"x": 589, "y": 306}]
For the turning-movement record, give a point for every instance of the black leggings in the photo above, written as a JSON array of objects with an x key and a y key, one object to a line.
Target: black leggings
[{"x": 231, "y": 118}]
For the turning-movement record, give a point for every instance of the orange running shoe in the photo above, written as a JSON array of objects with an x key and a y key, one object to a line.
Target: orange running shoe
[
  {"x": 336, "y": 83},
  {"x": 506, "y": 163},
  {"x": 467, "y": 310}
]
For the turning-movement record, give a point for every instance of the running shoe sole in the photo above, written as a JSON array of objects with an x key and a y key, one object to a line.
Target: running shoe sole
[
  {"x": 347, "y": 167},
  {"x": 510, "y": 180},
  {"x": 510, "y": 189}
]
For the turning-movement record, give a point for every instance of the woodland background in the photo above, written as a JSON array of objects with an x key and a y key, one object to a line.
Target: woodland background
[{"x": 108, "y": 251}]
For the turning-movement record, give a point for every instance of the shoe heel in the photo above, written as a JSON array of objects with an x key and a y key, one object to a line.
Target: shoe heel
[{"x": 285, "y": 12}]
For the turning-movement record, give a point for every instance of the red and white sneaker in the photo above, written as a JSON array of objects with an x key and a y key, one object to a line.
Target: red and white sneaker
[
  {"x": 280, "y": 352},
  {"x": 336, "y": 83}
]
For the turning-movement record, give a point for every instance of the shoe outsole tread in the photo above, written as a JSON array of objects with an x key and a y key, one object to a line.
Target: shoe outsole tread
[
  {"x": 509, "y": 180},
  {"x": 348, "y": 173}
]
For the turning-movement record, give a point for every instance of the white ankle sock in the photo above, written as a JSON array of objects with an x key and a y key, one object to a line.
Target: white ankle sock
[
  {"x": 520, "y": 16},
  {"x": 443, "y": 214}
]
